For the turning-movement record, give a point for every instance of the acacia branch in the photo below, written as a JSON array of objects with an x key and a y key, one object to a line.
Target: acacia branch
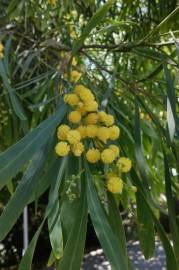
[{"x": 122, "y": 47}]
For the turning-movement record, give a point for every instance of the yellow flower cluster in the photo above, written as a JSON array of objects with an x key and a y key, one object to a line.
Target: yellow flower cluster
[
  {"x": 98, "y": 129},
  {"x": 88, "y": 123},
  {"x": 123, "y": 165},
  {"x": 1, "y": 50}
]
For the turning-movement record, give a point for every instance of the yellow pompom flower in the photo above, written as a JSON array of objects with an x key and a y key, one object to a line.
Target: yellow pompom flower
[
  {"x": 103, "y": 134},
  {"x": 124, "y": 164},
  {"x": 102, "y": 116},
  {"x": 62, "y": 149},
  {"x": 75, "y": 76},
  {"x": 93, "y": 155},
  {"x": 81, "y": 108},
  {"x": 108, "y": 120},
  {"x": 107, "y": 156},
  {"x": 84, "y": 93},
  {"x": 73, "y": 136},
  {"x": 78, "y": 149},
  {"x": 79, "y": 88},
  {"x": 114, "y": 132},
  {"x": 62, "y": 132},
  {"x": 91, "y": 131},
  {"x": 115, "y": 184},
  {"x": 82, "y": 130},
  {"x": 74, "y": 117},
  {"x": 115, "y": 149},
  {"x": 71, "y": 99},
  {"x": 91, "y": 119},
  {"x": 91, "y": 106}
]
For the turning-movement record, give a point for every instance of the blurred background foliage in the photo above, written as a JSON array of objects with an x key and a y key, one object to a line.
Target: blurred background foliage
[{"x": 130, "y": 60}]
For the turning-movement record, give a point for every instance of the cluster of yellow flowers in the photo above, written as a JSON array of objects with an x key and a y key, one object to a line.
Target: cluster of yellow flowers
[
  {"x": 1, "y": 50},
  {"x": 97, "y": 128}
]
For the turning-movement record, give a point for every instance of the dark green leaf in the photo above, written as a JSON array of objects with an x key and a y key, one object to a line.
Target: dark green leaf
[
  {"x": 116, "y": 224},
  {"x": 171, "y": 208},
  {"x": 22, "y": 194},
  {"x": 17, "y": 155},
  {"x": 55, "y": 231},
  {"x": 26, "y": 261},
  {"x": 145, "y": 228},
  {"x": 112, "y": 248},
  {"x": 74, "y": 248},
  {"x": 16, "y": 104}
]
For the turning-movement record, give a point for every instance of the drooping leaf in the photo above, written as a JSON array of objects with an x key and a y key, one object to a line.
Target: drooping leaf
[
  {"x": 116, "y": 224},
  {"x": 138, "y": 147},
  {"x": 17, "y": 155},
  {"x": 111, "y": 246},
  {"x": 170, "y": 120},
  {"x": 54, "y": 220},
  {"x": 145, "y": 228},
  {"x": 55, "y": 231},
  {"x": 171, "y": 208},
  {"x": 74, "y": 248},
  {"x": 22, "y": 194},
  {"x": 26, "y": 261},
  {"x": 170, "y": 256},
  {"x": 16, "y": 104}
]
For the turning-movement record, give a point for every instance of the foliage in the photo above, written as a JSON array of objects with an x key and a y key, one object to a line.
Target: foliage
[{"x": 127, "y": 53}]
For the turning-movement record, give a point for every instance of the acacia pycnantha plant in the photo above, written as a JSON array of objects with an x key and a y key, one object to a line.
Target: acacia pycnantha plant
[{"x": 89, "y": 119}]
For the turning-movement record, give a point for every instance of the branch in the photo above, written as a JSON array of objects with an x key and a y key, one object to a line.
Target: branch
[{"x": 122, "y": 47}]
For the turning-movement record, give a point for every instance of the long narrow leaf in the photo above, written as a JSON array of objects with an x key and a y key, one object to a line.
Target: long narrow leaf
[
  {"x": 145, "y": 228},
  {"x": 26, "y": 261},
  {"x": 112, "y": 248},
  {"x": 22, "y": 194},
  {"x": 74, "y": 248},
  {"x": 171, "y": 208},
  {"x": 17, "y": 155}
]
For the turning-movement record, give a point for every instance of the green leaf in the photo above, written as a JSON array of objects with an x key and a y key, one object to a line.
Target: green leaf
[
  {"x": 170, "y": 88},
  {"x": 10, "y": 187},
  {"x": 54, "y": 220},
  {"x": 170, "y": 256},
  {"x": 54, "y": 190},
  {"x": 138, "y": 147},
  {"x": 170, "y": 120},
  {"x": 74, "y": 248},
  {"x": 145, "y": 228},
  {"x": 112, "y": 248},
  {"x": 46, "y": 179},
  {"x": 116, "y": 224},
  {"x": 171, "y": 208},
  {"x": 94, "y": 21},
  {"x": 55, "y": 231},
  {"x": 22, "y": 194},
  {"x": 68, "y": 221},
  {"x": 51, "y": 259},
  {"x": 26, "y": 261},
  {"x": 17, "y": 155},
  {"x": 16, "y": 104}
]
